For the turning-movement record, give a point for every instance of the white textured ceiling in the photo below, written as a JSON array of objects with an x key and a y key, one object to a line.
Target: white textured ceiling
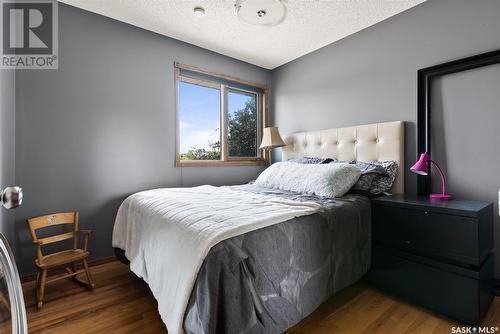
[{"x": 309, "y": 25}]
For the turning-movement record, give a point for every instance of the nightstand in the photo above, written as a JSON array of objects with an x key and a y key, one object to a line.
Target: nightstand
[{"x": 435, "y": 254}]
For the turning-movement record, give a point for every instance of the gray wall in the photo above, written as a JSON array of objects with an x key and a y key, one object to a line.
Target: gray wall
[
  {"x": 371, "y": 77},
  {"x": 7, "y": 145},
  {"x": 102, "y": 126},
  {"x": 466, "y": 137}
]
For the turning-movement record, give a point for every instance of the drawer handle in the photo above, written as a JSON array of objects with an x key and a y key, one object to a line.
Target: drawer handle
[
  {"x": 407, "y": 242},
  {"x": 426, "y": 212}
]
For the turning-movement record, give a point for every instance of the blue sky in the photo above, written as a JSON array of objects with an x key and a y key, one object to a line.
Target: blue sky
[
  {"x": 236, "y": 101},
  {"x": 199, "y": 109}
]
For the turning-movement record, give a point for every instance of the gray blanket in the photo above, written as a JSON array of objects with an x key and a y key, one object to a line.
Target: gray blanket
[{"x": 268, "y": 280}]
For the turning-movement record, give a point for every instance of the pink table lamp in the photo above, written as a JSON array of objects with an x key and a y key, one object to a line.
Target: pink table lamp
[{"x": 421, "y": 167}]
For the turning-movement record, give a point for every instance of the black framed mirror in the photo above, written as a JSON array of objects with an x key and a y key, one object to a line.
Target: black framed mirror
[{"x": 425, "y": 77}]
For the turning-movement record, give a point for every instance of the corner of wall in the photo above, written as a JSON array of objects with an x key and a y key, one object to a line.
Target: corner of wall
[{"x": 7, "y": 144}]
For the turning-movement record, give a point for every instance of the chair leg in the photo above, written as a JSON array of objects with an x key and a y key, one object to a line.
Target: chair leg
[
  {"x": 43, "y": 277},
  {"x": 87, "y": 272},
  {"x": 73, "y": 266},
  {"x": 72, "y": 269},
  {"x": 37, "y": 284}
]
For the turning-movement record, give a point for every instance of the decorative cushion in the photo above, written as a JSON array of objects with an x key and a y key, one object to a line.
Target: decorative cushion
[
  {"x": 376, "y": 177},
  {"x": 312, "y": 160},
  {"x": 327, "y": 180}
]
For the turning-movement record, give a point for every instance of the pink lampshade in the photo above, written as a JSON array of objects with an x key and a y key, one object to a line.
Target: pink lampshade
[{"x": 421, "y": 166}]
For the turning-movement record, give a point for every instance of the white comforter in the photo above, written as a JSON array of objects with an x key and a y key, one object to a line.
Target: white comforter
[{"x": 167, "y": 233}]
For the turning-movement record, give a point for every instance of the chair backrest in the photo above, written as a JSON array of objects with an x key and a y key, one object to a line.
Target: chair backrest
[{"x": 66, "y": 218}]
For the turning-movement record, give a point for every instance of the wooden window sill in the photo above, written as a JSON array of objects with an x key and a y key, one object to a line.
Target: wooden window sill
[{"x": 218, "y": 163}]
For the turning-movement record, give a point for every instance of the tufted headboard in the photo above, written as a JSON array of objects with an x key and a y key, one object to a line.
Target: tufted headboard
[{"x": 368, "y": 143}]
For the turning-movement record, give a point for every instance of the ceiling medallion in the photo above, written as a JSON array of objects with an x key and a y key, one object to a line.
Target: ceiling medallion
[{"x": 261, "y": 12}]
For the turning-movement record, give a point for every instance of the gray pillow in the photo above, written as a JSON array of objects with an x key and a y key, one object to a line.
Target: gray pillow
[
  {"x": 376, "y": 177},
  {"x": 312, "y": 160},
  {"x": 371, "y": 168}
]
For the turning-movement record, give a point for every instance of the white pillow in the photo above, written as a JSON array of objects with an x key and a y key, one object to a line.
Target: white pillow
[{"x": 328, "y": 180}]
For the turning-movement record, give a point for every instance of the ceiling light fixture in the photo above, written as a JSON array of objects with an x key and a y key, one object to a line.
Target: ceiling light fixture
[
  {"x": 261, "y": 12},
  {"x": 199, "y": 11}
]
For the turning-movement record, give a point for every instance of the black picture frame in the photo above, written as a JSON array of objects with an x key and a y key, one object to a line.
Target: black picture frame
[{"x": 424, "y": 101}]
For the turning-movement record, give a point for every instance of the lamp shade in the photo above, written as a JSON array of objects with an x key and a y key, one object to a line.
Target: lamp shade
[
  {"x": 271, "y": 138},
  {"x": 421, "y": 166}
]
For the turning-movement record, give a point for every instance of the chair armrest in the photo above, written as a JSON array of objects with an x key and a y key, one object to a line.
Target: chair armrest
[
  {"x": 38, "y": 244},
  {"x": 87, "y": 234}
]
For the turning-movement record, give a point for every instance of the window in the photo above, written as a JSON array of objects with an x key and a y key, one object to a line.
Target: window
[
  {"x": 219, "y": 119},
  {"x": 199, "y": 121},
  {"x": 242, "y": 122}
]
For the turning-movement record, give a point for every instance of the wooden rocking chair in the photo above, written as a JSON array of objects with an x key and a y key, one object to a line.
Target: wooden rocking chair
[{"x": 67, "y": 257}]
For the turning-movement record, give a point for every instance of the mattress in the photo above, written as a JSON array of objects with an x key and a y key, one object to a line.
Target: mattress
[{"x": 267, "y": 280}]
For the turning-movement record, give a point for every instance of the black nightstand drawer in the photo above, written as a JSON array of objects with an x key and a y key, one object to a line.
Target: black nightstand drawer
[
  {"x": 445, "y": 236},
  {"x": 457, "y": 292},
  {"x": 436, "y": 254}
]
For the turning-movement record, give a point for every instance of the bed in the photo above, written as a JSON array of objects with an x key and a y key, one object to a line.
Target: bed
[{"x": 279, "y": 255}]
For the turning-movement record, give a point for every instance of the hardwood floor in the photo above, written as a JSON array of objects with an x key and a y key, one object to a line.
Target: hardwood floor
[{"x": 122, "y": 303}]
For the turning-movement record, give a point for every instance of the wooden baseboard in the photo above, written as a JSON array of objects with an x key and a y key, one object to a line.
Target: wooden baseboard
[{"x": 93, "y": 263}]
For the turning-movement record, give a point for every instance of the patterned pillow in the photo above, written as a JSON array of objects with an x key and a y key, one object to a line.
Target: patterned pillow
[
  {"x": 364, "y": 183},
  {"x": 312, "y": 160},
  {"x": 370, "y": 168},
  {"x": 376, "y": 177}
]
